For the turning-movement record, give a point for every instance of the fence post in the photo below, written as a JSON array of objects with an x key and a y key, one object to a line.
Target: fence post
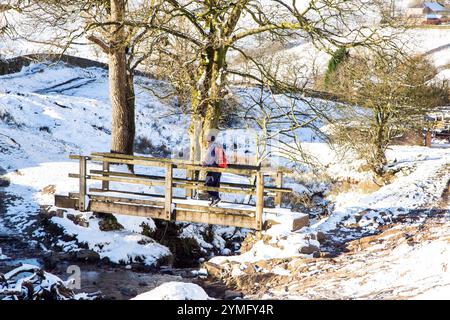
[
  {"x": 105, "y": 184},
  {"x": 189, "y": 176},
  {"x": 279, "y": 184},
  {"x": 82, "y": 193},
  {"x": 168, "y": 193},
  {"x": 259, "y": 200}
]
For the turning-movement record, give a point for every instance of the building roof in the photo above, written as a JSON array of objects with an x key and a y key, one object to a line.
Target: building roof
[{"x": 434, "y": 6}]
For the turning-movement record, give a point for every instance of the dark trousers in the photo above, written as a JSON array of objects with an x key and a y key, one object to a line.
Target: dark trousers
[{"x": 213, "y": 180}]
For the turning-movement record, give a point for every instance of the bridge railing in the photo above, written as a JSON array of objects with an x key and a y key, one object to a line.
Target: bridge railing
[{"x": 169, "y": 182}]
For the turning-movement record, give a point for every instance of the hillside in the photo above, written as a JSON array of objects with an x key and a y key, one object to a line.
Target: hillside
[{"x": 48, "y": 112}]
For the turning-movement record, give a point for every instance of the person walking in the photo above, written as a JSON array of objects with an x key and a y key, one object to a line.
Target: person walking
[{"x": 214, "y": 157}]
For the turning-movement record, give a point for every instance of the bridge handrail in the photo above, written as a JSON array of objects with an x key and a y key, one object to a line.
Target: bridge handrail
[{"x": 169, "y": 181}]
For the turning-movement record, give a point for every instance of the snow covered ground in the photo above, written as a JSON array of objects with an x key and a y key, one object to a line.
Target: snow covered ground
[
  {"x": 175, "y": 291},
  {"x": 408, "y": 261},
  {"x": 47, "y": 113}
]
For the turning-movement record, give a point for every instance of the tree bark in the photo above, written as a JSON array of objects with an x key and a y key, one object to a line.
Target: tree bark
[
  {"x": 120, "y": 85},
  {"x": 380, "y": 146},
  {"x": 206, "y": 100}
]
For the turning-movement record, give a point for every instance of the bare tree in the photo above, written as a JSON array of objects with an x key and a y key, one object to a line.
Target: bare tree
[
  {"x": 105, "y": 23},
  {"x": 213, "y": 29},
  {"x": 386, "y": 97},
  {"x": 6, "y": 6}
]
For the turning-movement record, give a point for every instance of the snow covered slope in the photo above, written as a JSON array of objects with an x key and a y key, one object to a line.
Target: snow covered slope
[{"x": 46, "y": 113}]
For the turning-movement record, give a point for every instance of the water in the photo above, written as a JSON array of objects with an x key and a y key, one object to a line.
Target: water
[{"x": 113, "y": 281}]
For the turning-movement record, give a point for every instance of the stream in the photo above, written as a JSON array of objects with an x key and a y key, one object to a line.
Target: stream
[{"x": 114, "y": 282}]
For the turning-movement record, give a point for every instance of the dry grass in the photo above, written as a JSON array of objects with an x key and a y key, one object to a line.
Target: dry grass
[{"x": 364, "y": 187}]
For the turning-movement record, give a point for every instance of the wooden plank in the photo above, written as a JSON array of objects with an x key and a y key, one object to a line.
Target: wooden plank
[
  {"x": 127, "y": 209},
  {"x": 163, "y": 183},
  {"x": 151, "y": 162},
  {"x": 168, "y": 191},
  {"x": 160, "y": 204},
  {"x": 82, "y": 185},
  {"x": 180, "y": 164},
  {"x": 275, "y": 170},
  {"x": 95, "y": 197},
  {"x": 66, "y": 202},
  {"x": 77, "y": 157},
  {"x": 142, "y": 210},
  {"x": 246, "y": 172},
  {"x": 129, "y": 161},
  {"x": 189, "y": 176},
  {"x": 167, "y": 160},
  {"x": 129, "y": 175},
  {"x": 214, "y": 218},
  {"x": 145, "y": 182},
  {"x": 259, "y": 200},
  {"x": 176, "y": 181},
  {"x": 219, "y": 189},
  {"x": 133, "y": 157},
  {"x": 151, "y": 195},
  {"x": 279, "y": 184},
  {"x": 105, "y": 183},
  {"x": 206, "y": 209}
]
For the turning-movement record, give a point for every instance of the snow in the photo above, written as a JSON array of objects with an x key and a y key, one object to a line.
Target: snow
[
  {"x": 424, "y": 186},
  {"x": 45, "y": 116},
  {"x": 119, "y": 246},
  {"x": 441, "y": 292},
  {"x": 44, "y": 286},
  {"x": 47, "y": 113},
  {"x": 174, "y": 291}
]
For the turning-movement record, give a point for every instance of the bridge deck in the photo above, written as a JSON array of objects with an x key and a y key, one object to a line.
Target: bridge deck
[{"x": 167, "y": 206}]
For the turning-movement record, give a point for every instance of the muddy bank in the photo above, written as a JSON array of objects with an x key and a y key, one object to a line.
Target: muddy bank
[{"x": 114, "y": 282}]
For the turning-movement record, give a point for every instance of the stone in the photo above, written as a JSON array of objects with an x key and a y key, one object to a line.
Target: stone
[
  {"x": 129, "y": 292},
  {"x": 108, "y": 222},
  {"x": 50, "y": 189},
  {"x": 78, "y": 220},
  {"x": 321, "y": 237},
  {"x": 213, "y": 269},
  {"x": 87, "y": 255},
  {"x": 309, "y": 249},
  {"x": 51, "y": 260},
  {"x": 4, "y": 181},
  {"x": 299, "y": 222},
  {"x": 60, "y": 213},
  {"x": 232, "y": 294}
]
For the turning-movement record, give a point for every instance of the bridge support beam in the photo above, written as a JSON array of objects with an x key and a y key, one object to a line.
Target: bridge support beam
[
  {"x": 82, "y": 191},
  {"x": 168, "y": 193}
]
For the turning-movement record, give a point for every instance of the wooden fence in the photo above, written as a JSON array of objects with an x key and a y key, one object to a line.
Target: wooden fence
[{"x": 167, "y": 206}]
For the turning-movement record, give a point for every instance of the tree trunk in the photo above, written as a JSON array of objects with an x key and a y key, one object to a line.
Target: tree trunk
[
  {"x": 120, "y": 86},
  {"x": 380, "y": 145},
  {"x": 206, "y": 100}
]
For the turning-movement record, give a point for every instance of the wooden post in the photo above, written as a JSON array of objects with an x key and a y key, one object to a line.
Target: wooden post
[
  {"x": 168, "y": 193},
  {"x": 428, "y": 138},
  {"x": 259, "y": 200},
  {"x": 105, "y": 184},
  {"x": 82, "y": 193},
  {"x": 189, "y": 176},
  {"x": 279, "y": 184}
]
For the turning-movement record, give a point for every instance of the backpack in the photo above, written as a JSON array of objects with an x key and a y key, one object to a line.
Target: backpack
[{"x": 221, "y": 157}]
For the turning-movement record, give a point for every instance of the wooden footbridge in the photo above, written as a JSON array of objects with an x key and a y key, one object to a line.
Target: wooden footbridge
[{"x": 167, "y": 206}]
